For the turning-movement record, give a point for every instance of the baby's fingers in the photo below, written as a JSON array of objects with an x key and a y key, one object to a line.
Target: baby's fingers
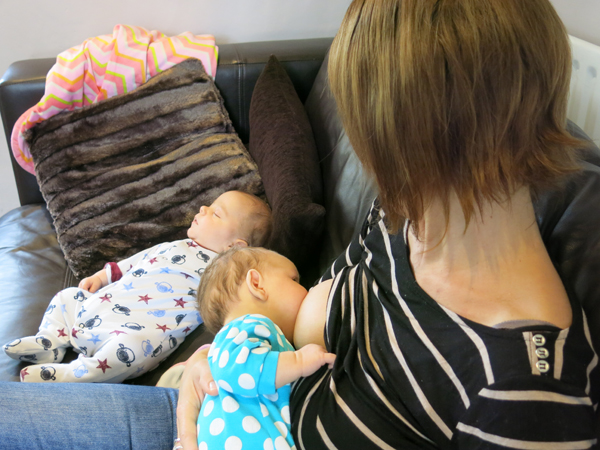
[
  {"x": 84, "y": 284},
  {"x": 329, "y": 359}
]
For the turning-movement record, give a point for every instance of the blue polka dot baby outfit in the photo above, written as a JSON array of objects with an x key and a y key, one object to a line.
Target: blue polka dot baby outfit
[{"x": 248, "y": 413}]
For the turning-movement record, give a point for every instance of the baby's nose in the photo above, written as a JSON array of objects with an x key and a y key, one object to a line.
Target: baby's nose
[{"x": 203, "y": 209}]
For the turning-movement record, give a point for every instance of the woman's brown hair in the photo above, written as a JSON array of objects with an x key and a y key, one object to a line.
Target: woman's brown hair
[{"x": 467, "y": 96}]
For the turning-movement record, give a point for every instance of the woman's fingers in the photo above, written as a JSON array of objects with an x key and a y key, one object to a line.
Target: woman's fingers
[
  {"x": 206, "y": 383},
  {"x": 195, "y": 381},
  {"x": 188, "y": 408}
]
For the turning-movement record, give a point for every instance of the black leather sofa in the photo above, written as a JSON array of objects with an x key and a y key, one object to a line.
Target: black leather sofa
[{"x": 32, "y": 267}]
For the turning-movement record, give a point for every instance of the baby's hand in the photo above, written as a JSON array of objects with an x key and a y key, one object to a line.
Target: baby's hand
[
  {"x": 312, "y": 357},
  {"x": 301, "y": 363},
  {"x": 91, "y": 284}
]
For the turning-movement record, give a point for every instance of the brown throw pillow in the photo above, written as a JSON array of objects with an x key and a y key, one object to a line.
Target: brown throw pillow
[
  {"x": 129, "y": 172},
  {"x": 282, "y": 144}
]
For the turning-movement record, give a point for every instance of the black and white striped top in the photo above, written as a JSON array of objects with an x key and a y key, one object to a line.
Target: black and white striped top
[{"x": 412, "y": 374}]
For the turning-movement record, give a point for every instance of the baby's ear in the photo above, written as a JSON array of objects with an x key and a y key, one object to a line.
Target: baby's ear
[
  {"x": 238, "y": 243},
  {"x": 255, "y": 284}
]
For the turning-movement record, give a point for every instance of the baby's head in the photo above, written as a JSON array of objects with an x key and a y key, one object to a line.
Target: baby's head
[
  {"x": 245, "y": 280},
  {"x": 234, "y": 218}
]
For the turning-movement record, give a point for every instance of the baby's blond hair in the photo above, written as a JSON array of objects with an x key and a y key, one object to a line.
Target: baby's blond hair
[{"x": 221, "y": 280}]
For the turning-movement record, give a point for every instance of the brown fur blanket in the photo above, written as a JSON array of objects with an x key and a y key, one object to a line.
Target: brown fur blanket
[{"x": 131, "y": 171}]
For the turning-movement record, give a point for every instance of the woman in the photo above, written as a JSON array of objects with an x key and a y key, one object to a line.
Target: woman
[{"x": 450, "y": 324}]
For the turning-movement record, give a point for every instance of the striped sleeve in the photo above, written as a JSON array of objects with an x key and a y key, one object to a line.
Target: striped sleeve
[{"x": 530, "y": 413}]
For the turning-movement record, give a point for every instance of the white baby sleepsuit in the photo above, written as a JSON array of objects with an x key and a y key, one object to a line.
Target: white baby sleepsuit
[{"x": 124, "y": 329}]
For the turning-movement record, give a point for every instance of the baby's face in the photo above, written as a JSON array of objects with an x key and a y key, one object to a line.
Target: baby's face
[
  {"x": 285, "y": 292},
  {"x": 218, "y": 226}
]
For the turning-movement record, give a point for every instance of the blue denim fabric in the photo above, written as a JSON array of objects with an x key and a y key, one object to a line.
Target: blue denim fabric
[{"x": 86, "y": 416}]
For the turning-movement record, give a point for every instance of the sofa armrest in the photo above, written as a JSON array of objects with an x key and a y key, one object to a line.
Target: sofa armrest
[{"x": 21, "y": 87}]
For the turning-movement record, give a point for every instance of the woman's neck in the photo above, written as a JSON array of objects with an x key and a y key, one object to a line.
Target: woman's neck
[
  {"x": 494, "y": 270},
  {"x": 496, "y": 235}
]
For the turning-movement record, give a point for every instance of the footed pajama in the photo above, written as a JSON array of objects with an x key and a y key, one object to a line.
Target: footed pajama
[{"x": 126, "y": 328}]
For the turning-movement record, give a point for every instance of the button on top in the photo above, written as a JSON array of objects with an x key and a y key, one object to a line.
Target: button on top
[
  {"x": 542, "y": 366},
  {"x": 542, "y": 353},
  {"x": 539, "y": 340}
]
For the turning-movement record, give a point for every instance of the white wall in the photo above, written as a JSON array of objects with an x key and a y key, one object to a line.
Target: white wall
[
  {"x": 42, "y": 28},
  {"x": 581, "y": 17}
]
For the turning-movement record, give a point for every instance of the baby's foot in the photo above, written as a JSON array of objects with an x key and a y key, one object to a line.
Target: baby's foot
[{"x": 34, "y": 349}]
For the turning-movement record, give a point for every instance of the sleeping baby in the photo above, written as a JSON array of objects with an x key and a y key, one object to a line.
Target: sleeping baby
[{"x": 128, "y": 317}]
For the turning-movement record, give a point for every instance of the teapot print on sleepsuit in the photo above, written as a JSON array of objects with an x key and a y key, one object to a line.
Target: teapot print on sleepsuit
[
  {"x": 47, "y": 373},
  {"x": 90, "y": 324},
  {"x": 125, "y": 355},
  {"x": 164, "y": 287},
  {"x": 133, "y": 326},
  {"x": 121, "y": 309},
  {"x": 44, "y": 342},
  {"x": 80, "y": 371},
  {"x": 80, "y": 296}
]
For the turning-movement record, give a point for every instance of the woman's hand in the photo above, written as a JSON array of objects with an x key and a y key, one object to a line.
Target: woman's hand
[{"x": 196, "y": 381}]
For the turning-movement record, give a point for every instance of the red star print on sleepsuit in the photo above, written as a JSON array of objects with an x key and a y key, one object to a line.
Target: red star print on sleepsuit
[
  {"x": 117, "y": 332},
  {"x": 103, "y": 365},
  {"x": 144, "y": 298},
  {"x": 180, "y": 302}
]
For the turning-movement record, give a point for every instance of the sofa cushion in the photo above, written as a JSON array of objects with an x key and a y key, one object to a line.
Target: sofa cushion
[
  {"x": 347, "y": 190},
  {"x": 33, "y": 270},
  {"x": 129, "y": 172},
  {"x": 282, "y": 144}
]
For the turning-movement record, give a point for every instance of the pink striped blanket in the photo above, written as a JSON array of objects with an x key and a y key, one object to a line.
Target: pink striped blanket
[{"x": 105, "y": 66}]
